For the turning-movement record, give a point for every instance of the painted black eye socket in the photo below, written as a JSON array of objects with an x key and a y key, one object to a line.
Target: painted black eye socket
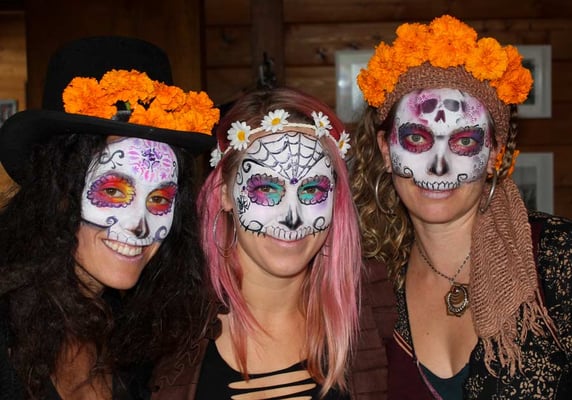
[
  {"x": 452, "y": 105},
  {"x": 429, "y": 106}
]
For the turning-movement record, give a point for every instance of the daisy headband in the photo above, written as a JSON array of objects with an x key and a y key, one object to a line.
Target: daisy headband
[{"x": 238, "y": 136}]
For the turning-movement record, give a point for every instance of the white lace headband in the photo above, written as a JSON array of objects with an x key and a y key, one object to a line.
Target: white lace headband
[{"x": 276, "y": 121}]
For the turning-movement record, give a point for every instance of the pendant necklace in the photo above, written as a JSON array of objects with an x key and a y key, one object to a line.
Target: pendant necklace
[{"x": 457, "y": 298}]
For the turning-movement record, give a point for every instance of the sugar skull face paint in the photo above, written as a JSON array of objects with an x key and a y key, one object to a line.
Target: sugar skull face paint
[
  {"x": 130, "y": 190},
  {"x": 284, "y": 187},
  {"x": 441, "y": 138}
]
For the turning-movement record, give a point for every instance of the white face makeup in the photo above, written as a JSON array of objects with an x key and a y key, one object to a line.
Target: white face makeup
[
  {"x": 130, "y": 191},
  {"x": 441, "y": 138},
  {"x": 284, "y": 187}
]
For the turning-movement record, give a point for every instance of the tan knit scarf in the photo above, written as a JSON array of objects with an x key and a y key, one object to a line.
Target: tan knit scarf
[{"x": 504, "y": 278}]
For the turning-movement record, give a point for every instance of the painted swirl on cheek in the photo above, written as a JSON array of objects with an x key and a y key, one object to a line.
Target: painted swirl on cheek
[
  {"x": 160, "y": 201},
  {"x": 468, "y": 142},
  {"x": 111, "y": 191},
  {"x": 314, "y": 190},
  {"x": 265, "y": 190},
  {"x": 415, "y": 138}
]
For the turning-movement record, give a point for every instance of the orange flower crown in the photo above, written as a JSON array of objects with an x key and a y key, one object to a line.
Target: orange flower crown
[
  {"x": 445, "y": 42},
  {"x": 150, "y": 102}
]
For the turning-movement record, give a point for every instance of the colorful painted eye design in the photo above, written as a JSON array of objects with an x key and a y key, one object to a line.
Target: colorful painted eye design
[
  {"x": 111, "y": 191},
  {"x": 314, "y": 190},
  {"x": 415, "y": 138},
  {"x": 265, "y": 190},
  {"x": 160, "y": 201},
  {"x": 468, "y": 141}
]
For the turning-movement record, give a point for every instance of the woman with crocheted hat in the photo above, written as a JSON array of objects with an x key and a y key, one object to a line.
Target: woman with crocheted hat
[
  {"x": 281, "y": 238},
  {"x": 99, "y": 254},
  {"x": 483, "y": 287}
]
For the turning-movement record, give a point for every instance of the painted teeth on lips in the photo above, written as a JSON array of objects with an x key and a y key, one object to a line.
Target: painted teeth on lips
[
  {"x": 288, "y": 236},
  {"x": 437, "y": 185},
  {"x": 123, "y": 249}
]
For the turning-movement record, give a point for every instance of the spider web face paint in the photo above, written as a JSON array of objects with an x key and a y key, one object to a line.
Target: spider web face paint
[
  {"x": 284, "y": 187},
  {"x": 130, "y": 190},
  {"x": 440, "y": 138}
]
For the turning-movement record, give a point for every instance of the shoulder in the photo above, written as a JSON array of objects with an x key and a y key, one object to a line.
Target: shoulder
[
  {"x": 552, "y": 240},
  {"x": 551, "y": 228},
  {"x": 554, "y": 263}
]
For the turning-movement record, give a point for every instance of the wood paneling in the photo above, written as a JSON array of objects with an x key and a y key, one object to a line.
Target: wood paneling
[
  {"x": 173, "y": 25},
  {"x": 218, "y": 53},
  {"x": 13, "y": 72},
  {"x": 315, "y": 29}
]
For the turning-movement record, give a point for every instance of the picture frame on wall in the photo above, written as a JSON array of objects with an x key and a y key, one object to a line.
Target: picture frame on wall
[
  {"x": 534, "y": 176},
  {"x": 7, "y": 109},
  {"x": 538, "y": 59},
  {"x": 349, "y": 99}
]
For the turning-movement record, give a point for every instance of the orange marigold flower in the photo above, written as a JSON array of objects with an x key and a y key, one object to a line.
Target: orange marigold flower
[
  {"x": 488, "y": 61},
  {"x": 514, "y": 86},
  {"x": 169, "y": 97},
  {"x": 445, "y": 42},
  {"x": 372, "y": 90},
  {"x": 150, "y": 102},
  {"x": 409, "y": 45},
  {"x": 449, "y": 42}
]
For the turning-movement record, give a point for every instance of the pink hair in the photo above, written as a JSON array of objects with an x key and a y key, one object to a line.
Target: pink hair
[{"x": 330, "y": 297}]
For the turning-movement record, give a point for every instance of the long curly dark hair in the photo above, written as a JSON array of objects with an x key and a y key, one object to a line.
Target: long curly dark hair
[{"x": 45, "y": 301}]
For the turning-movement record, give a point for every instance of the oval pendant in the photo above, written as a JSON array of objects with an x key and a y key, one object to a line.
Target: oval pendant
[{"x": 457, "y": 299}]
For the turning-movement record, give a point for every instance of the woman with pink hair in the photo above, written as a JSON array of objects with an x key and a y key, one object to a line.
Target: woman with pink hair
[{"x": 280, "y": 234}]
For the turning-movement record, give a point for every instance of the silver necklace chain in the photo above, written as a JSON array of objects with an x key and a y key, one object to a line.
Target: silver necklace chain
[{"x": 449, "y": 278}]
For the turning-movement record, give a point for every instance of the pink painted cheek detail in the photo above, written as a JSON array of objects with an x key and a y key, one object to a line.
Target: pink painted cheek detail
[{"x": 393, "y": 137}]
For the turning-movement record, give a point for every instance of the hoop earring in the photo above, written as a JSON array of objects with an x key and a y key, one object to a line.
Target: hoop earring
[
  {"x": 491, "y": 192},
  {"x": 225, "y": 252}
]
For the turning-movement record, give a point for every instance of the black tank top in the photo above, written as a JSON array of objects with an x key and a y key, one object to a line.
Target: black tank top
[{"x": 219, "y": 381}]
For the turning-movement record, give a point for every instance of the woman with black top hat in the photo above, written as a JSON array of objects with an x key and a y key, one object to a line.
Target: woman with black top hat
[{"x": 98, "y": 253}]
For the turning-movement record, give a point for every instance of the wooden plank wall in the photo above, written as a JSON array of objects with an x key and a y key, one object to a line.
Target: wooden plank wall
[
  {"x": 31, "y": 30},
  {"x": 315, "y": 29},
  {"x": 13, "y": 72}
]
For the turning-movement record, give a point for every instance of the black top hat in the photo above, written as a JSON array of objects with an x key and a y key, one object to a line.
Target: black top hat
[{"x": 90, "y": 57}]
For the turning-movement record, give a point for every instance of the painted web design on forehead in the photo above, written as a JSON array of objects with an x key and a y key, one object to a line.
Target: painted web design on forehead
[{"x": 291, "y": 154}]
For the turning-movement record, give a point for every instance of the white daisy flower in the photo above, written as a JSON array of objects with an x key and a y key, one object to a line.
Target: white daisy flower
[
  {"x": 275, "y": 120},
  {"x": 216, "y": 155},
  {"x": 322, "y": 123},
  {"x": 238, "y": 135},
  {"x": 344, "y": 143}
]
